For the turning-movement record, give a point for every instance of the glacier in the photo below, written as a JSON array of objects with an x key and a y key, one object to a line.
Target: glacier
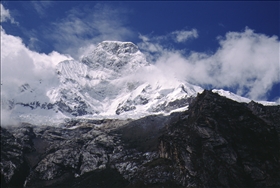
[{"x": 112, "y": 81}]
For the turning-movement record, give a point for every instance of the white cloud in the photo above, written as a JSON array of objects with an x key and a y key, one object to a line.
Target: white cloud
[
  {"x": 152, "y": 50},
  {"x": 156, "y": 46},
  {"x": 183, "y": 35},
  {"x": 143, "y": 38},
  {"x": 5, "y": 15},
  {"x": 85, "y": 27},
  {"x": 19, "y": 65},
  {"x": 246, "y": 61}
]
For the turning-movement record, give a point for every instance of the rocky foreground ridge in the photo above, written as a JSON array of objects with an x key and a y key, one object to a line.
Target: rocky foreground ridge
[{"x": 217, "y": 142}]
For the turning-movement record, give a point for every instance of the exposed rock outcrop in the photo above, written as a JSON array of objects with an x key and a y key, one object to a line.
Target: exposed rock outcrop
[
  {"x": 219, "y": 142},
  {"x": 216, "y": 143}
]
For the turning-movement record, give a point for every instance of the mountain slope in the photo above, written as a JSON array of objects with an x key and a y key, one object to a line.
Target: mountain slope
[
  {"x": 114, "y": 80},
  {"x": 217, "y": 142}
]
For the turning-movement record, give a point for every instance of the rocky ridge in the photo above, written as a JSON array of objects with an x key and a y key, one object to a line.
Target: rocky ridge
[{"x": 217, "y": 142}]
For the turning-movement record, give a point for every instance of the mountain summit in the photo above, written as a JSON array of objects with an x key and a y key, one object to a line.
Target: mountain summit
[
  {"x": 116, "y": 56},
  {"x": 112, "y": 81},
  {"x": 121, "y": 122}
]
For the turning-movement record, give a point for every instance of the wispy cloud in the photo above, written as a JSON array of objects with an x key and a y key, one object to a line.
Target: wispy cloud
[
  {"x": 221, "y": 25},
  {"x": 84, "y": 27},
  {"x": 41, "y": 7},
  {"x": 184, "y": 35},
  {"x": 246, "y": 62},
  {"x": 156, "y": 46},
  {"x": 5, "y": 15}
]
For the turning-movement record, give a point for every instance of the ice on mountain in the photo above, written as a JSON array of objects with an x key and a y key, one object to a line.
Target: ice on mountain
[
  {"x": 117, "y": 56},
  {"x": 112, "y": 81}
]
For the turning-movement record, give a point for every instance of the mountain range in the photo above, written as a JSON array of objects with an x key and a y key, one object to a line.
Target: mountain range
[
  {"x": 112, "y": 81},
  {"x": 112, "y": 119},
  {"x": 217, "y": 142}
]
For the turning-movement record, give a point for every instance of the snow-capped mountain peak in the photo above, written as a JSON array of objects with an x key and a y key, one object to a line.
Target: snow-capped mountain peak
[
  {"x": 112, "y": 81},
  {"x": 121, "y": 57}
]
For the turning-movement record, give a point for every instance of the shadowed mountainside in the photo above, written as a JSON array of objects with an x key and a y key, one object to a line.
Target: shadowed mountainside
[{"x": 216, "y": 143}]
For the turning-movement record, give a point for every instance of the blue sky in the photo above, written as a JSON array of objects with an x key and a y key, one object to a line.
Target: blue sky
[{"x": 230, "y": 45}]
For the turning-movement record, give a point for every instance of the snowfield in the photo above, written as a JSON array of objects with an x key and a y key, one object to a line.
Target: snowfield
[{"x": 113, "y": 81}]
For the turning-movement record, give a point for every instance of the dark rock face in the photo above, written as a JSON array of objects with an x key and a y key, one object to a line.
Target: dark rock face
[
  {"x": 78, "y": 110},
  {"x": 216, "y": 143},
  {"x": 269, "y": 114},
  {"x": 14, "y": 167},
  {"x": 219, "y": 142}
]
